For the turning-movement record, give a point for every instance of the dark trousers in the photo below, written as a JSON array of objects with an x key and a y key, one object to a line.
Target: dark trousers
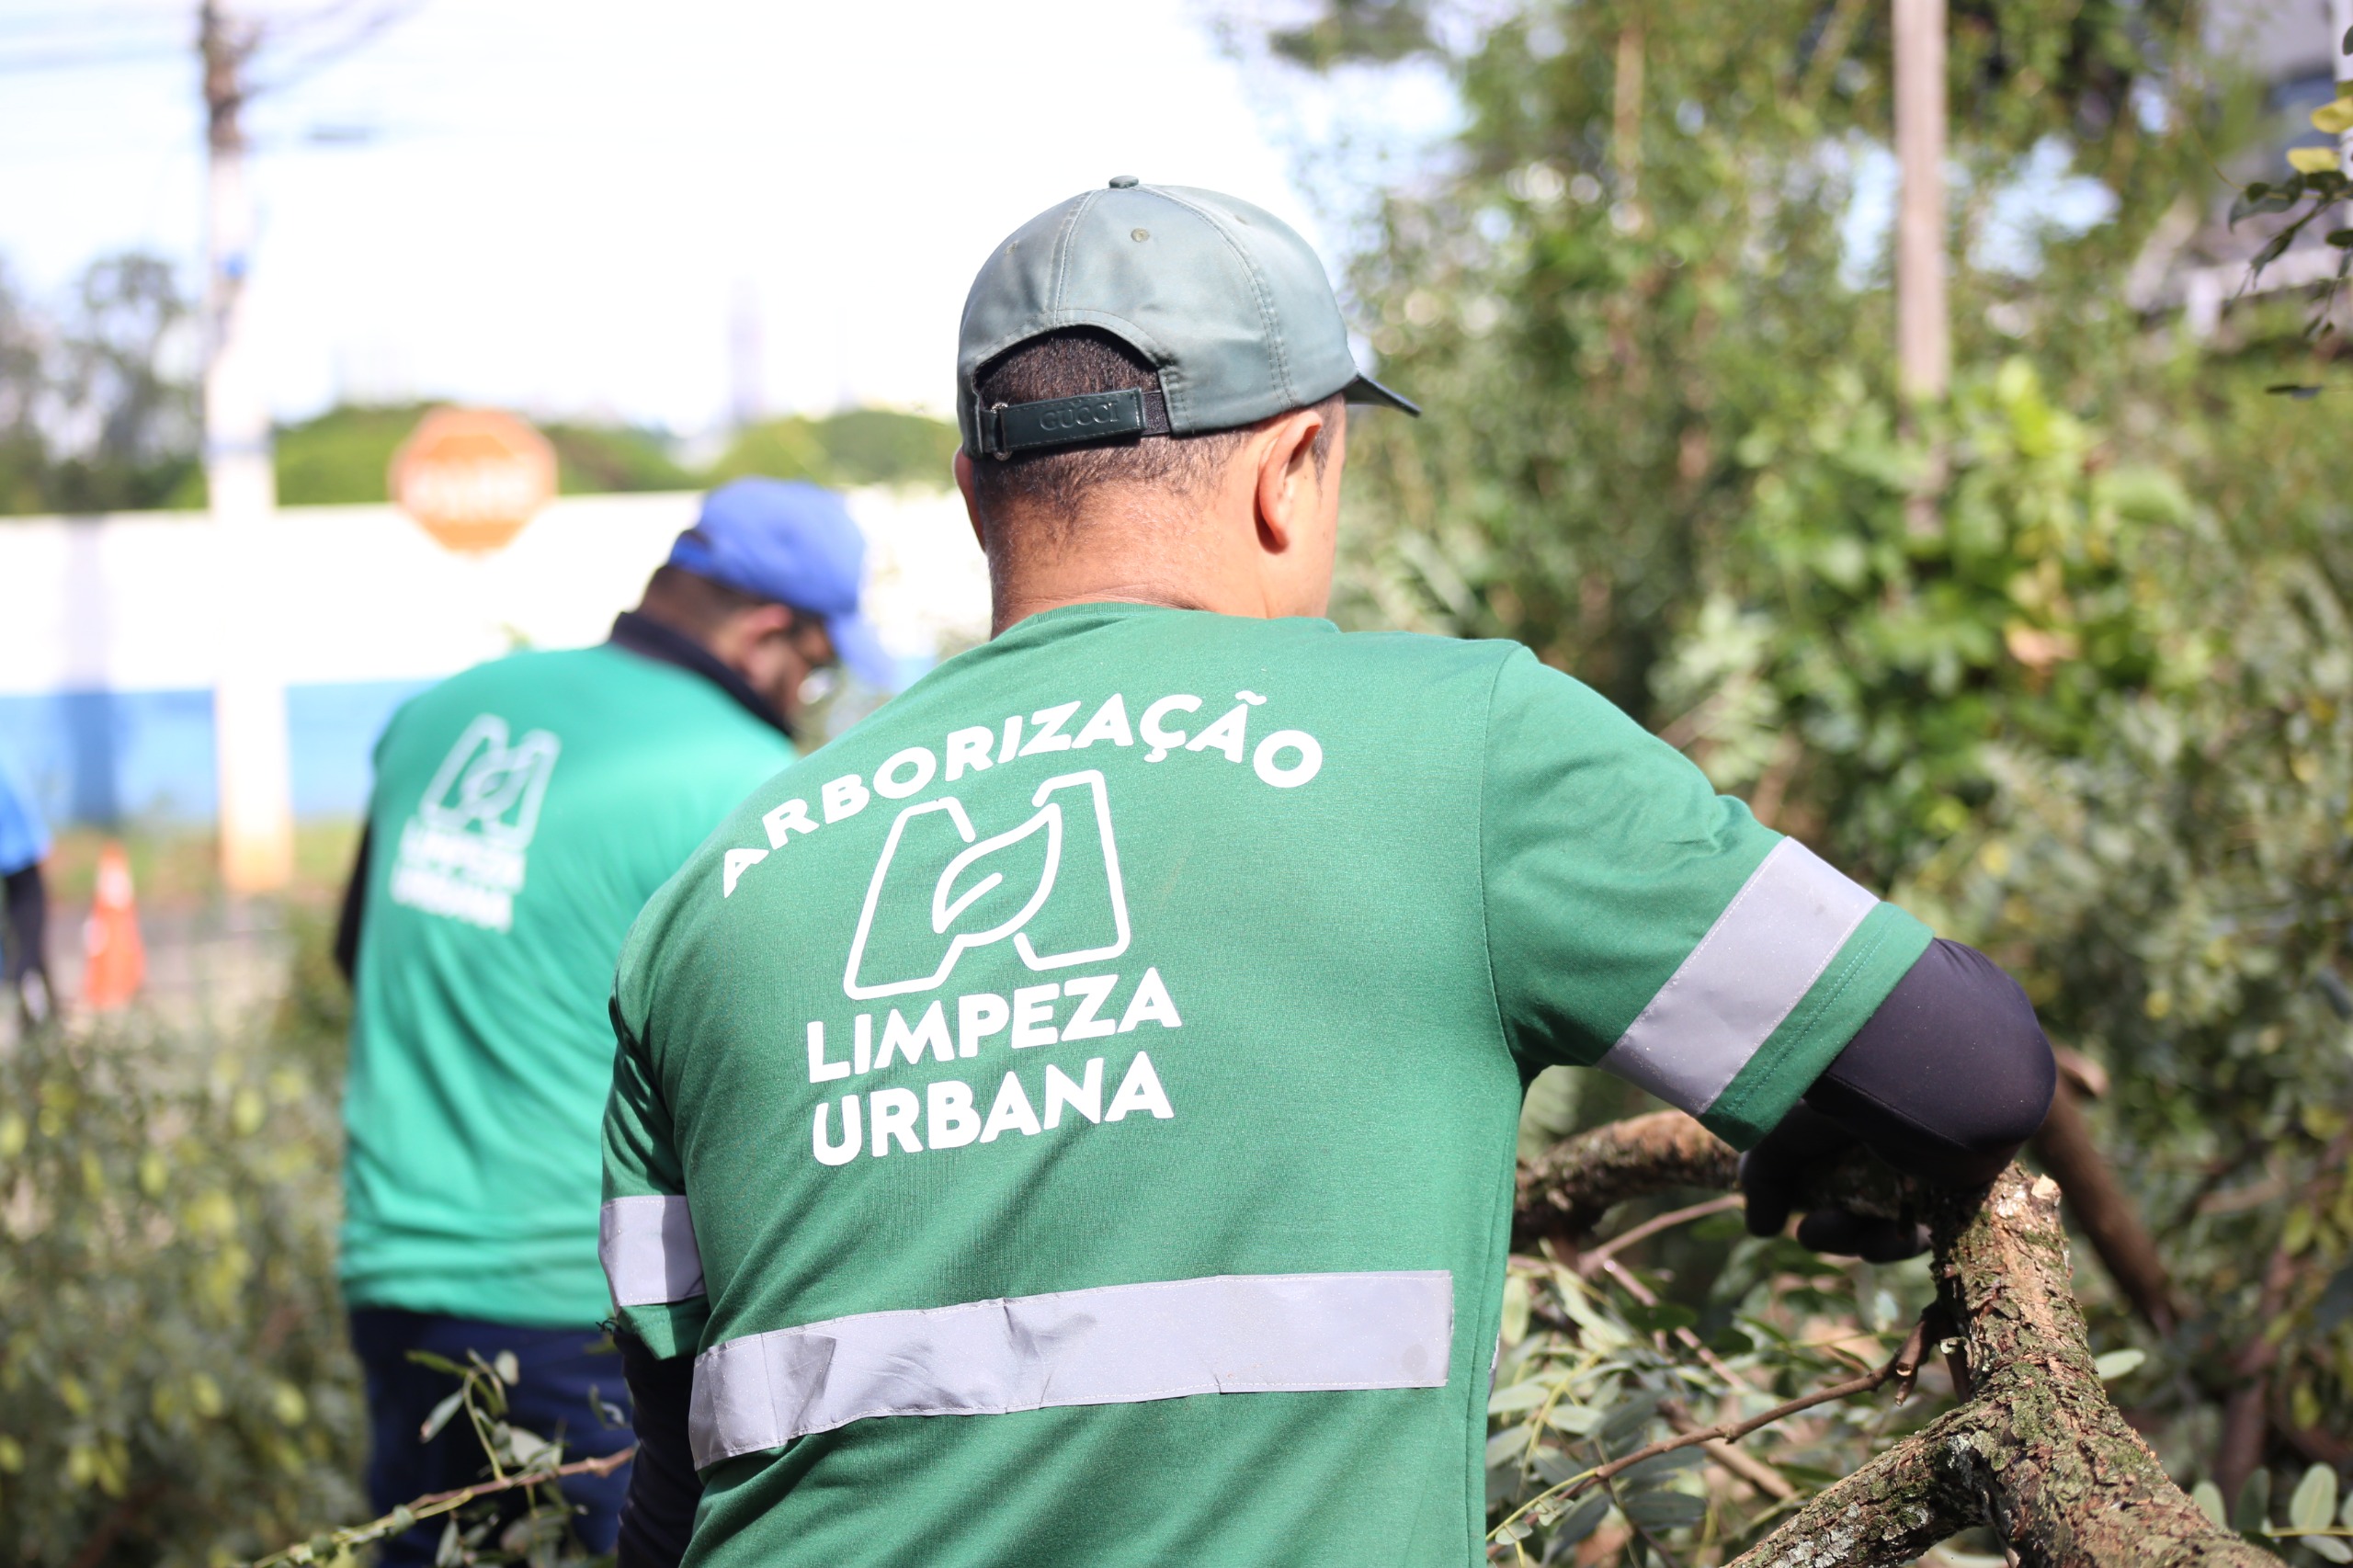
[
  {"x": 552, "y": 1398},
  {"x": 24, "y": 944}
]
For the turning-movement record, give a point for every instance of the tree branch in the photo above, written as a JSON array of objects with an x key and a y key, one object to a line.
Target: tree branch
[
  {"x": 2037, "y": 1449},
  {"x": 1550, "y": 1504},
  {"x": 433, "y": 1505},
  {"x": 1568, "y": 1188}
]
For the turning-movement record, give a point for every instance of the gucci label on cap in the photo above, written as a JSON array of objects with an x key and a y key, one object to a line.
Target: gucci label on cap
[{"x": 1069, "y": 421}]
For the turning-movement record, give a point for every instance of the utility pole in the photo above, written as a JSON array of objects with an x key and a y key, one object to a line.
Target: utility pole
[
  {"x": 256, "y": 812},
  {"x": 746, "y": 395},
  {"x": 1923, "y": 332}
]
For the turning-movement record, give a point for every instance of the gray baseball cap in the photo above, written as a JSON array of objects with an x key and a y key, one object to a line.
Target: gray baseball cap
[{"x": 1224, "y": 298}]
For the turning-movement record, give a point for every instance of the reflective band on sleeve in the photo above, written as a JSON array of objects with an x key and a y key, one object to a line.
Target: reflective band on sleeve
[
  {"x": 647, "y": 1245},
  {"x": 1113, "y": 1345},
  {"x": 1757, "y": 962}
]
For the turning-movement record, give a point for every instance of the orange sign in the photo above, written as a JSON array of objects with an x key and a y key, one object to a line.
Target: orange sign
[{"x": 473, "y": 477}]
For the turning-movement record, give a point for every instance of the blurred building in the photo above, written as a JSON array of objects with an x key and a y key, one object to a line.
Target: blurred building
[
  {"x": 109, "y": 643},
  {"x": 2196, "y": 262}
]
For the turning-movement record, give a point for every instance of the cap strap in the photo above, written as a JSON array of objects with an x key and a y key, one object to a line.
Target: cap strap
[{"x": 1007, "y": 429}]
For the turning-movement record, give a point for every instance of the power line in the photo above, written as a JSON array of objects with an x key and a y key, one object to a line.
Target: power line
[{"x": 88, "y": 60}]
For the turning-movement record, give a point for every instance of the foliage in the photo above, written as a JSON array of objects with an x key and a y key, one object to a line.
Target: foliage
[
  {"x": 342, "y": 456},
  {"x": 172, "y": 1382},
  {"x": 97, "y": 411},
  {"x": 1590, "y": 1371},
  {"x": 2062, "y": 664},
  {"x": 858, "y": 446},
  {"x": 516, "y": 1514}
]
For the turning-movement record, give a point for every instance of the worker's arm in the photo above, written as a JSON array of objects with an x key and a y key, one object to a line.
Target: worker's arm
[
  {"x": 354, "y": 899},
  {"x": 658, "y": 1515},
  {"x": 653, "y": 1269},
  {"x": 1946, "y": 1081},
  {"x": 1640, "y": 923}
]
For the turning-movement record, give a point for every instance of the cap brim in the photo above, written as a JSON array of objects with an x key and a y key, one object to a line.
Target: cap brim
[
  {"x": 1364, "y": 389},
  {"x": 861, "y": 652}
]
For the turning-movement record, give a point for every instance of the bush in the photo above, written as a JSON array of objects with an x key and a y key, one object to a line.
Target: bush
[{"x": 174, "y": 1382}]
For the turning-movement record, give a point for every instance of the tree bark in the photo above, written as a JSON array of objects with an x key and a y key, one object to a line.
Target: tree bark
[
  {"x": 2036, "y": 1450},
  {"x": 1567, "y": 1189}
]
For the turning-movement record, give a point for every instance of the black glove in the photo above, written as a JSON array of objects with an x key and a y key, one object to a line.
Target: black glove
[
  {"x": 1776, "y": 1174},
  {"x": 1945, "y": 1081}
]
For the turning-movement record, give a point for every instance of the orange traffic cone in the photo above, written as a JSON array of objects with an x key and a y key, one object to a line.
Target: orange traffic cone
[{"x": 117, "y": 958}]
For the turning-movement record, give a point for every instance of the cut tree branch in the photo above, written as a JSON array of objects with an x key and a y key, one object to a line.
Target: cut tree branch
[{"x": 2036, "y": 1450}]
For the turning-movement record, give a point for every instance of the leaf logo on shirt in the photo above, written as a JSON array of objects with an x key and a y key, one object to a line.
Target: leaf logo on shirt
[
  {"x": 461, "y": 855},
  {"x": 1049, "y": 883},
  {"x": 487, "y": 785}
]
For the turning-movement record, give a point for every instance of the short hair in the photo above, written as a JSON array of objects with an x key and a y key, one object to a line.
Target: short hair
[
  {"x": 688, "y": 602},
  {"x": 1055, "y": 485}
]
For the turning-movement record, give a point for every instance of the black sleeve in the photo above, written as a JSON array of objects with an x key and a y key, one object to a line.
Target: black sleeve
[
  {"x": 355, "y": 896},
  {"x": 1950, "y": 1077},
  {"x": 659, "y": 1514}
]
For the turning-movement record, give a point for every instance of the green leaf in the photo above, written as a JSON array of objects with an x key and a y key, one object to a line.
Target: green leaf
[
  {"x": 2116, "y": 1363},
  {"x": 1519, "y": 1396},
  {"x": 1664, "y": 1318},
  {"x": 1665, "y": 1510},
  {"x": 440, "y": 1416},
  {"x": 2252, "y": 1511},
  {"x": 1506, "y": 1445},
  {"x": 510, "y": 1370},
  {"x": 2329, "y": 1547},
  {"x": 2313, "y": 1504},
  {"x": 1576, "y": 1420},
  {"x": 1518, "y": 1300},
  {"x": 1658, "y": 1469},
  {"x": 438, "y": 1363},
  {"x": 1582, "y": 1520},
  {"x": 2209, "y": 1498}
]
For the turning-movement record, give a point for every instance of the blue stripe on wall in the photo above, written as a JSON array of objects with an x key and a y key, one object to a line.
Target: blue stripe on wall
[{"x": 108, "y": 756}]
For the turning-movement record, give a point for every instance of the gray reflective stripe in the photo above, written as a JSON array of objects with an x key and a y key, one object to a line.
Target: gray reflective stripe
[
  {"x": 647, "y": 1245},
  {"x": 1757, "y": 962},
  {"x": 1113, "y": 1345}
]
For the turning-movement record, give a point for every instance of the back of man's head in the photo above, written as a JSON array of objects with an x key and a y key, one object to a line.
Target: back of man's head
[
  {"x": 1124, "y": 356},
  {"x": 1041, "y": 499}
]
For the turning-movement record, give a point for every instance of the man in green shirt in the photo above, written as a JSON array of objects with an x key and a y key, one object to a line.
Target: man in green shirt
[
  {"x": 1071, "y": 1120},
  {"x": 523, "y": 811}
]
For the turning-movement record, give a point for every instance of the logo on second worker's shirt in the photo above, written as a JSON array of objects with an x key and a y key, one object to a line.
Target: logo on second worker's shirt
[
  {"x": 461, "y": 855},
  {"x": 1049, "y": 884}
]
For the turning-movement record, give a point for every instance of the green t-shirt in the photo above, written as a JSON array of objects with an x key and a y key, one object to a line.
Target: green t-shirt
[
  {"x": 1070, "y": 1118},
  {"x": 523, "y": 812}
]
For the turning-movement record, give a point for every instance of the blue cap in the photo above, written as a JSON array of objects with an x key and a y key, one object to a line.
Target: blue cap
[{"x": 794, "y": 543}]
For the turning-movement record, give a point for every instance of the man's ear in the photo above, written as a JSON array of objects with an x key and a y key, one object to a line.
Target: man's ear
[
  {"x": 1285, "y": 461},
  {"x": 964, "y": 466}
]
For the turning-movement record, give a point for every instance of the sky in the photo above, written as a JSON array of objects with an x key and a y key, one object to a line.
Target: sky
[{"x": 570, "y": 206}]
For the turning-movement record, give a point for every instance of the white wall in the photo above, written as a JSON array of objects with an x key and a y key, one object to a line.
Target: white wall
[{"x": 130, "y": 602}]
